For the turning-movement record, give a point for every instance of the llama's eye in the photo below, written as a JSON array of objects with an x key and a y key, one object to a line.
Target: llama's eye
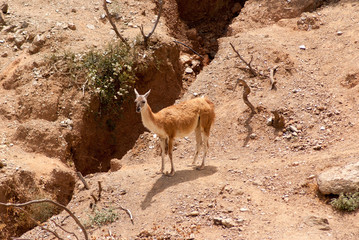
[{"x": 143, "y": 102}]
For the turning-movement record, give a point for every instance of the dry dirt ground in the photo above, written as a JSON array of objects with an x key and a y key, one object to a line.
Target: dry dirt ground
[{"x": 261, "y": 180}]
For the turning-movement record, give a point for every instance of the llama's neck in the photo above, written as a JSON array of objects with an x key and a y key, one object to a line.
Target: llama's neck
[{"x": 149, "y": 121}]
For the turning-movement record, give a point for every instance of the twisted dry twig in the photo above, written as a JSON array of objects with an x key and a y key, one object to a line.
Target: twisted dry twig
[
  {"x": 254, "y": 73},
  {"x": 146, "y": 37},
  {"x": 113, "y": 24},
  {"x": 52, "y": 202}
]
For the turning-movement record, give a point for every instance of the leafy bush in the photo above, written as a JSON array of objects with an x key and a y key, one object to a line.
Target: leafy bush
[
  {"x": 110, "y": 73},
  {"x": 346, "y": 202}
]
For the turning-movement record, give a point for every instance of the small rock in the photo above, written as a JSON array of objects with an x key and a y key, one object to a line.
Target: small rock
[
  {"x": 24, "y": 24},
  {"x": 293, "y": 129},
  {"x": 2, "y": 19},
  {"x": 185, "y": 59},
  {"x": 115, "y": 164},
  {"x": 302, "y": 47},
  {"x": 315, "y": 221},
  {"x": 90, "y": 26},
  {"x": 228, "y": 222},
  {"x": 295, "y": 164},
  {"x": 72, "y": 26},
  {"x": 39, "y": 40},
  {"x": 243, "y": 209},
  {"x": 4, "y": 7},
  {"x": 339, "y": 33},
  {"x": 339, "y": 179},
  {"x": 9, "y": 28},
  {"x": 19, "y": 41},
  {"x": 311, "y": 177},
  {"x": 4, "y": 54},
  {"x": 269, "y": 121},
  {"x": 189, "y": 70},
  {"x": 193, "y": 214},
  {"x": 317, "y": 147},
  {"x": 253, "y": 136}
]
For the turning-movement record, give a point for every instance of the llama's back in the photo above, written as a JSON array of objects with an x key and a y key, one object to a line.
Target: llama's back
[{"x": 181, "y": 119}]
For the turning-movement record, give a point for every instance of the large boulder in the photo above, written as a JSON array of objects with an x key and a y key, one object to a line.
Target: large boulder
[{"x": 339, "y": 180}]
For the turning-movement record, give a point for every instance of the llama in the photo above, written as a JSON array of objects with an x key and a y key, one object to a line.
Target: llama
[{"x": 178, "y": 121}]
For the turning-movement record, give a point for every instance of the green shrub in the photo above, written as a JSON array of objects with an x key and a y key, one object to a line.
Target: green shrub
[
  {"x": 346, "y": 202},
  {"x": 102, "y": 217}
]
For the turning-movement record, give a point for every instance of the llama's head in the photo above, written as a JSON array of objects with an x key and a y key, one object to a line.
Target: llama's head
[{"x": 141, "y": 100}]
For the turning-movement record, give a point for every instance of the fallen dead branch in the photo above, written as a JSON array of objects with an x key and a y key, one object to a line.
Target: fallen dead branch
[
  {"x": 83, "y": 180},
  {"x": 246, "y": 92},
  {"x": 271, "y": 77},
  {"x": 146, "y": 37},
  {"x": 19, "y": 205},
  {"x": 113, "y": 24},
  {"x": 254, "y": 73},
  {"x": 189, "y": 48},
  {"x": 128, "y": 212}
]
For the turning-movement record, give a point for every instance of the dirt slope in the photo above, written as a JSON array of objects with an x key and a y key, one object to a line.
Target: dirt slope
[{"x": 261, "y": 179}]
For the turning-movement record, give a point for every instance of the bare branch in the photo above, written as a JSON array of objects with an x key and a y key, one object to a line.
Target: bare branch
[
  {"x": 63, "y": 229},
  {"x": 52, "y": 202},
  {"x": 94, "y": 198},
  {"x": 246, "y": 92},
  {"x": 146, "y": 37},
  {"x": 271, "y": 76},
  {"x": 83, "y": 180},
  {"x": 99, "y": 190},
  {"x": 113, "y": 24},
  {"x": 254, "y": 73},
  {"x": 278, "y": 121}
]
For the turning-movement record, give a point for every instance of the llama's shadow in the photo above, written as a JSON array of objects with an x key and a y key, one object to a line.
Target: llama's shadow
[
  {"x": 180, "y": 176},
  {"x": 249, "y": 129}
]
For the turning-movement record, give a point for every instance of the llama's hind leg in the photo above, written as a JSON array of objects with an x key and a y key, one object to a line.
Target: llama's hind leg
[
  {"x": 170, "y": 150},
  {"x": 163, "y": 154},
  {"x": 205, "y": 143},
  {"x": 198, "y": 144}
]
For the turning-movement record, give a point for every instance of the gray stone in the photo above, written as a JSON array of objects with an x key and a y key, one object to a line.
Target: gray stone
[
  {"x": 189, "y": 70},
  {"x": 317, "y": 222},
  {"x": 339, "y": 180}
]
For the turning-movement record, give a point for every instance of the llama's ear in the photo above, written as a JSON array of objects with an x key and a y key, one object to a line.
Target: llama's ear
[
  {"x": 147, "y": 93},
  {"x": 136, "y": 93}
]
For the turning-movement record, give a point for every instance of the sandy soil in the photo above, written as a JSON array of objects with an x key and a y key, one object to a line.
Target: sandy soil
[{"x": 262, "y": 180}]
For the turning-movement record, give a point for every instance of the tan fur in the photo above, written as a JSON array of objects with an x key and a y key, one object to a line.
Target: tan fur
[{"x": 178, "y": 120}]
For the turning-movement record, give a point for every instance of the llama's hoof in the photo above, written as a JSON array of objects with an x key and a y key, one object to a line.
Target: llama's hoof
[
  {"x": 159, "y": 172},
  {"x": 171, "y": 174},
  {"x": 200, "y": 167}
]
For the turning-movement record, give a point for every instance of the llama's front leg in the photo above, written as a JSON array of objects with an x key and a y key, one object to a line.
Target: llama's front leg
[
  {"x": 170, "y": 148},
  {"x": 163, "y": 154}
]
